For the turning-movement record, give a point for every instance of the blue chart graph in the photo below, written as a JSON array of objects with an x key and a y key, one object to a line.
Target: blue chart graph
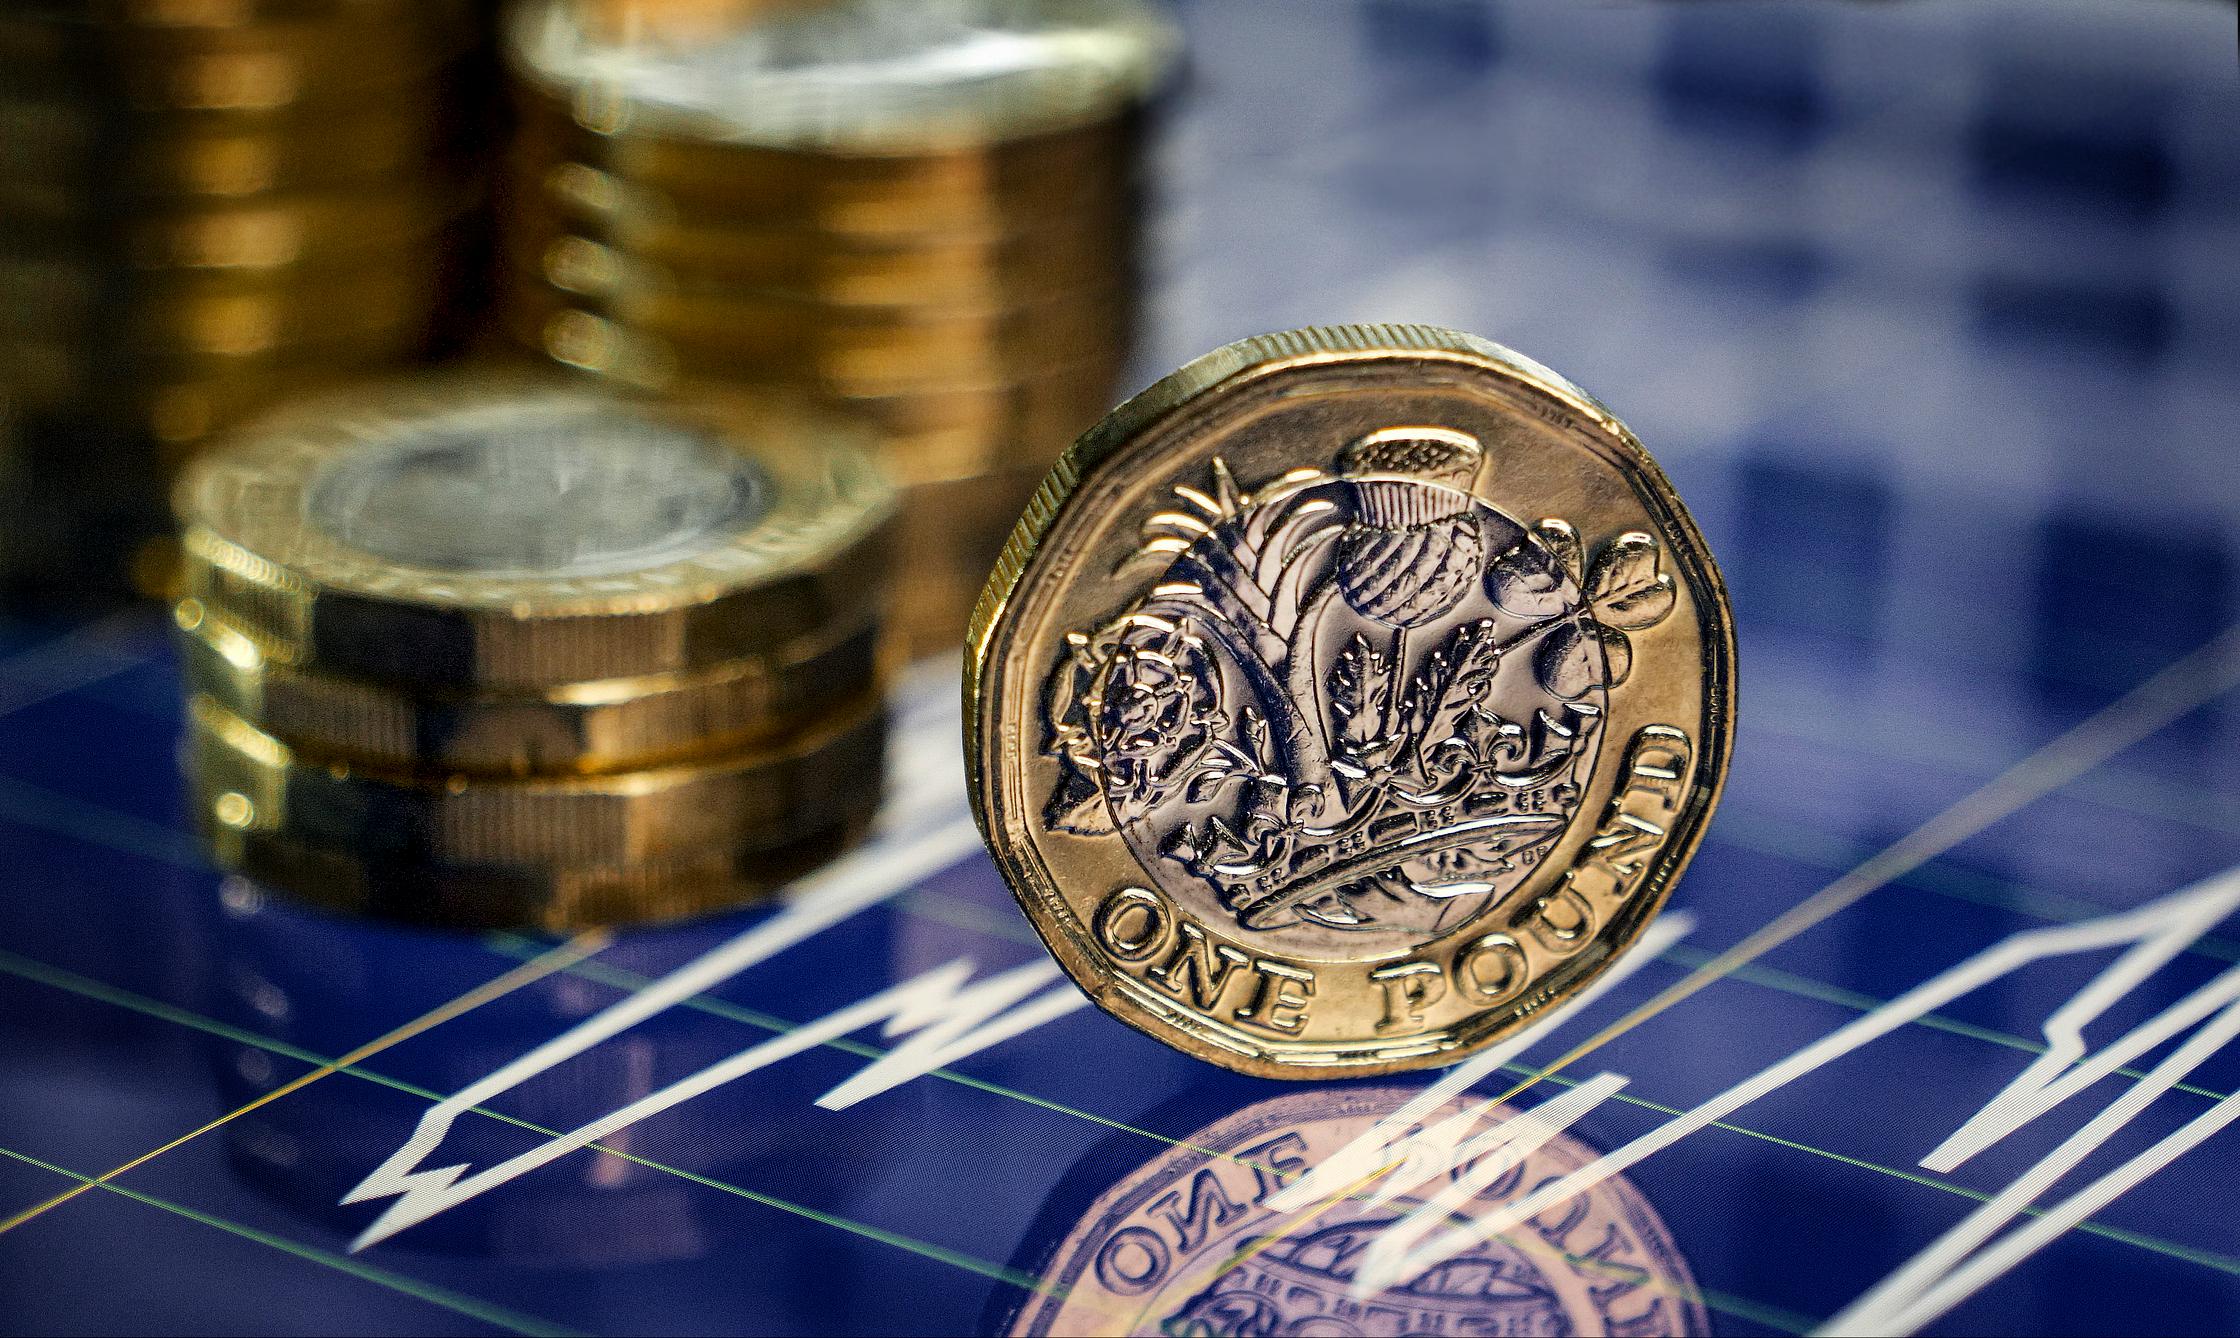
[{"x": 1929, "y": 311}]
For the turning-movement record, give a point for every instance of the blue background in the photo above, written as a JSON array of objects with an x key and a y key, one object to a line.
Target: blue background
[{"x": 1929, "y": 310}]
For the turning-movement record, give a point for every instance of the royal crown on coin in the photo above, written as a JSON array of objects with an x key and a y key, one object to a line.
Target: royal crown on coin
[{"x": 1352, "y": 700}]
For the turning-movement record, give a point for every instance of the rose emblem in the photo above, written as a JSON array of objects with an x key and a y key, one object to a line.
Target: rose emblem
[{"x": 1145, "y": 705}]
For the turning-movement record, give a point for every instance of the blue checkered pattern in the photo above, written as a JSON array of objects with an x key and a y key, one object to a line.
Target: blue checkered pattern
[{"x": 1930, "y": 310}]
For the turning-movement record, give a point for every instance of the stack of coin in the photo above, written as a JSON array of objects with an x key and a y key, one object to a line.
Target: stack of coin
[
  {"x": 489, "y": 652},
  {"x": 926, "y": 214},
  {"x": 204, "y": 204}
]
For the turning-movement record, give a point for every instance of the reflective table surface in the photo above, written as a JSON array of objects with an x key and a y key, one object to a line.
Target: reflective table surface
[{"x": 1929, "y": 310}]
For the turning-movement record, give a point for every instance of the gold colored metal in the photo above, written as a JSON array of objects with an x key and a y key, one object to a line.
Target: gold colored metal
[
  {"x": 123, "y": 19},
  {"x": 1028, "y": 436},
  {"x": 1047, "y": 410},
  {"x": 181, "y": 407},
  {"x": 246, "y": 337},
  {"x": 226, "y": 318},
  {"x": 846, "y": 78},
  {"x": 836, "y": 351},
  {"x": 613, "y": 182},
  {"x": 951, "y": 532},
  {"x": 252, "y": 70},
  {"x": 270, "y": 233},
  {"x": 952, "y": 433},
  {"x": 249, "y": 787},
  {"x": 203, "y": 205},
  {"x": 49, "y": 376},
  {"x": 56, "y": 163},
  {"x": 602, "y": 726},
  {"x": 493, "y": 533},
  {"x": 556, "y": 900},
  {"x": 925, "y": 217},
  {"x": 963, "y": 269},
  {"x": 1347, "y": 699}
]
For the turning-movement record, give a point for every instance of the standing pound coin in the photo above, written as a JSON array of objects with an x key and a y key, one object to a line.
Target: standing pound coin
[{"x": 1348, "y": 699}]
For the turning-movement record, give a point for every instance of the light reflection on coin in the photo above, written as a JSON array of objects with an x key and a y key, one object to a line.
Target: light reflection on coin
[
  {"x": 566, "y": 493},
  {"x": 1347, "y": 699},
  {"x": 1189, "y": 1245},
  {"x": 869, "y": 77},
  {"x": 513, "y": 532}
]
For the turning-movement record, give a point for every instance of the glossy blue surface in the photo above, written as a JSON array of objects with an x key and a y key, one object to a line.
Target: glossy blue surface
[{"x": 1929, "y": 310}]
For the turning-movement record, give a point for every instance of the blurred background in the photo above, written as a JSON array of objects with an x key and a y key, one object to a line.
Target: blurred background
[
  {"x": 1951, "y": 272},
  {"x": 1929, "y": 308}
]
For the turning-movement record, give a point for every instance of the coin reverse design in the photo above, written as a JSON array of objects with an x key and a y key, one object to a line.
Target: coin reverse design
[
  {"x": 1190, "y": 1244},
  {"x": 1347, "y": 699}
]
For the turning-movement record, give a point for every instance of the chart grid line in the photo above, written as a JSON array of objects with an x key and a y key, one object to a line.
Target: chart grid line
[
  {"x": 866, "y": 1051},
  {"x": 535, "y": 969},
  {"x": 496, "y": 1316},
  {"x": 1771, "y": 1315},
  {"x": 2112, "y": 786},
  {"x": 2175, "y": 704},
  {"x": 70, "y": 981},
  {"x": 621, "y": 978},
  {"x": 61, "y": 666},
  {"x": 766, "y": 1021},
  {"x": 2177, "y": 690},
  {"x": 59, "y": 978}
]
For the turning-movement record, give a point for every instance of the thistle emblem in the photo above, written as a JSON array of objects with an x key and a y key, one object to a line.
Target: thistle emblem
[
  {"x": 1358, "y": 700},
  {"x": 1413, "y": 549}
]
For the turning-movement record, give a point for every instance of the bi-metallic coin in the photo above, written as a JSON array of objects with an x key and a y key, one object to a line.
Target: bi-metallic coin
[
  {"x": 1348, "y": 699},
  {"x": 465, "y": 533},
  {"x": 602, "y": 726}
]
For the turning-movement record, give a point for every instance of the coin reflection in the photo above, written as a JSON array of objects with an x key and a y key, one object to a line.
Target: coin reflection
[
  {"x": 1191, "y": 1245},
  {"x": 296, "y": 986}
]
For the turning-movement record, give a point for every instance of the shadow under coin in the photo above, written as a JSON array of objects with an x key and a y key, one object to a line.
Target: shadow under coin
[{"x": 1202, "y": 1241}]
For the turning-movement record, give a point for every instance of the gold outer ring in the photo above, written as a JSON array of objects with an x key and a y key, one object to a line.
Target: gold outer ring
[
  {"x": 760, "y": 799},
  {"x": 813, "y": 560},
  {"x": 591, "y": 728},
  {"x": 1004, "y": 677}
]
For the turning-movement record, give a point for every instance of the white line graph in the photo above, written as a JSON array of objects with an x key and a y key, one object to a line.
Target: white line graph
[{"x": 1958, "y": 1265}]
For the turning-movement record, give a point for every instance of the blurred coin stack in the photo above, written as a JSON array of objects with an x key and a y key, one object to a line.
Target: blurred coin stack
[
  {"x": 204, "y": 204},
  {"x": 925, "y": 213},
  {"x": 488, "y": 652}
]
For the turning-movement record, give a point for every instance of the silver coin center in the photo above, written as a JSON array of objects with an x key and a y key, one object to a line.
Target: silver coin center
[{"x": 571, "y": 496}]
